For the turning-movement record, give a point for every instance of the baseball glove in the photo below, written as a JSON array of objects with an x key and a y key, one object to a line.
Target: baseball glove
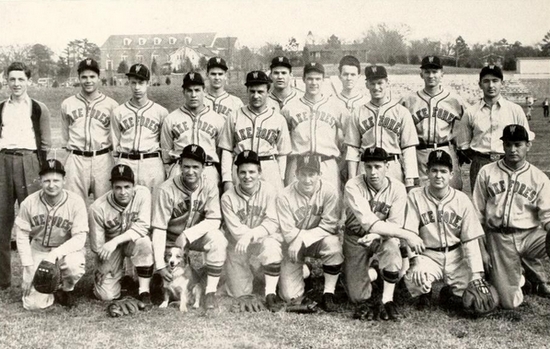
[
  {"x": 480, "y": 298},
  {"x": 46, "y": 278},
  {"x": 307, "y": 306},
  {"x": 125, "y": 306},
  {"x": 248, "y": 303}
]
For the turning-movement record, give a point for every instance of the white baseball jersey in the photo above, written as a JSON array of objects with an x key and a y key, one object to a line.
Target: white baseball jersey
[
  {"x": 225, "y": 104},
  {"x": 181, "y": 128},
  {"x": 353, "y": 102},
  {"x": 137, "y": 129},
  {"x": 108, "y": 219},
  {"x": 86, "y": 126},
  {"x": 505, "y": 198},
  {"x": 282, "y": 102}
]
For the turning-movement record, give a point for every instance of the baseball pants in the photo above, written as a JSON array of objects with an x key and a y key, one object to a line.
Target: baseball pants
[
  {"x": 329, "y": 172},
  {"x": 89, "y": 175},
  {"x": 210, "y": 172},
  {"x": 239, "y": 268},
  {"x": 108, "y": 273},
  {"x": 449, "y": 267},
  {"x": 71, "y": 266},
  {"x": 18, "y": 179},
  {"x": 213, "y": 243},
  {"x": 148, "y": 172},
  {"x": 357, "y": 262},
  {"x": 422, "y": 159},
  {"x": 270, "y": 173},
  {"x": 507, "y": 251},
  {"x": 291, "y": 282}
]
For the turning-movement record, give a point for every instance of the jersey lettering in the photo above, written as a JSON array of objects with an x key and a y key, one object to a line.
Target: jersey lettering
[
  {"x": 380, "y": 206},
  {"x": 385, "y": 122},
  {"x": 318, "y": 115},
  {"x": 308, "y": 211},
  {"x": 185, "y": 206},
  {"x": 94, "y": 114},
  {"x": 146, "y": 122},
  {"x": 448, "y": 217},
  {"x": 269, "y": 135},
  {"x": 251, "y": 211},
  {"x": 56, "y": 221},
  {"x": 440, "y": 113},
  {"x": 495, "y": 189}
]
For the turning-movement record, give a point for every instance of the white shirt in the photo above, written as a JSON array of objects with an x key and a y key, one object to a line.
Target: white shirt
[{"x": 17, "y": 131}]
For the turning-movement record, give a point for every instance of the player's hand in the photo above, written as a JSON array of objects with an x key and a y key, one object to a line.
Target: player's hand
[
  {"x": 166, "y": 274},
  {"x": 415, "y": 243},
  {"x": 294, "y": 249},
  {"x": 418, "y": 276},
  {"x": 369, "y": 239},
  {"x": 243, "y": 243},
  {"x": 107, "y": 250},
  {"x": 227, "y": 185},
  {"x": 28, "y": 275}
]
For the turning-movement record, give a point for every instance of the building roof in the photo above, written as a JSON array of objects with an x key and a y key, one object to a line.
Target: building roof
[
  {"x": 533, "y": 58},
  {"x": 225, "y": 43},
  {"x": 193, "y": 39},
  {"x": 343, "y": 47}
]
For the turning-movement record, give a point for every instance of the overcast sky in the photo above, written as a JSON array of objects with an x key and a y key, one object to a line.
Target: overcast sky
[{"x": 56, "y": 22}]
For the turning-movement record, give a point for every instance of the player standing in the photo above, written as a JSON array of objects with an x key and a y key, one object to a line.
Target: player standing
[
  {"x": 350, "y": 71},
  {"x": 86, "y": 134},
  {"x": 281, "y": 75},
  {"x": 216, "y": 97},
  {"x": 136, "y": 127}
]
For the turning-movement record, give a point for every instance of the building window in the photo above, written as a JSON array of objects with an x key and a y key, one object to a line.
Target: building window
[
  {"x": 139, "y": 58},
  {"x": 123, "y": 58},
  {"x": 154, "y": 57},
  {"x": 142, "y": 41},
  {"x": 172, "y": 41},
  {"x": 109, "y": 65},
  {"x": 127, "y": 41},
  {"x": 187, "y": 40},
  {"x": 157, "y": 41}
]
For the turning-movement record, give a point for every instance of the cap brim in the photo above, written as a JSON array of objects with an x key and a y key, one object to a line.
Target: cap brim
[
  {"x": 280, "y": 65},
  {"x": 221, "y": 66},
  {"x": 314, "y": 70},
  {"x": 431, "y": 66},
  {"x": 141, "y": 77},
  {"x": 379, "y": 158}
]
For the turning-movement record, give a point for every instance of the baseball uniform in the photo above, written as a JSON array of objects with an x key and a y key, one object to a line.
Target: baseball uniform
[
  {"x": 514, "y": 208},
  {"x": 86, "y": 133},
  {"x": 282, "y": 102},
  {"x": 59, "y": 229},
  {"x": 108, "y": 220},
  {"x": 136, "y": 140},
  {"x": 181, "y": 128},
  {"x": 225, "y": 104}
]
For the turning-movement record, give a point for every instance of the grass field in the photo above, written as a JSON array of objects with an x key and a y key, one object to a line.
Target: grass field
[{"x": 87, "y": 325}]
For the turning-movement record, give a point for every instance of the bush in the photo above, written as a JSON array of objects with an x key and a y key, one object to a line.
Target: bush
[
  {"x": 392, "y": 61},
  {"x": 55, "y": 84},
  {"x": 168, "y": 80}
]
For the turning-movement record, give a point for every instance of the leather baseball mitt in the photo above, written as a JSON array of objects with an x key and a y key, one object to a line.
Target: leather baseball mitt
[
  {"x": 46, "y": 278},
  {"x": 480, "y": 298},
  {"x": 125, "y": 306},
  {"x": 247, "y": 303}
]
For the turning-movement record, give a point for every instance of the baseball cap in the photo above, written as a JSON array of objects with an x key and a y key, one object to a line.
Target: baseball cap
[
  {"x": 280, "y": 61},
  {"x": 440, "y": 157},
  {"x": 491, "y": 70},
  {"x": 310, "y": 162},
  {"x": 374, "y": 154},
  {"x": 257, "y": 77},
  {"x": 88, "y": 64},
  {"x": 374, "y": 72},
  {"x": 515, "y": 133},
  {"x": 139, "y": 71},
  {"x": 314, "y": 67},
  {"x": 194, "y": 152},
  {"x": 122, "y": 173},
  {"x": 52, "y": 165},
  {"x": 432, "y": 62},
  {"x": 216, "y": 62},
  {"x": 192, "y": 79},
  {"x": 349, "y": 60},
  {"x": 247, "y": 157}
]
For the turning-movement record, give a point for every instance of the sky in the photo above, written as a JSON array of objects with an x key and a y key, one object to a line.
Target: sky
[{"x": 56, "y": 22}]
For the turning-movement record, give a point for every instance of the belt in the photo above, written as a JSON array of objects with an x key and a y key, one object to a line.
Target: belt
[
  {"x": 508, "y": 230},
  {"x": 422, "y": 146},
  {"x": 492, "y": 157},
  {"x": 444, "y": 249},
  {"x": 139, "y": 156},
  {"x": 394, "y": 157},
  {"x": 266, "y": 157},
  {"x": 89, "y": 154},
  {"x": 18, "y": 152}
]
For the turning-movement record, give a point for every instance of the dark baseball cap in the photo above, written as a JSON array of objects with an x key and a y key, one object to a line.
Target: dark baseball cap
[
  {"x": 247, "y": 157},
  {"x": 257, "y": 77},
  {"x": 440, "y": 157},
  {"x": 491, "y": 70},
  {"x": 52, "y": 166},
  {"x": 280, "y": 61},
  {"x": 216, "y": 62},
  {"x": 431, "y": 62},
  {"x": 374, "y": 72},
  {"x": 515, "y": 133},
  {"x": 192, "y": 79},
  {"x": 194, "y": 152},
  {"x": 374, "y": 154},
  {"x": 310, "y": 162},
  {"x": 350, "y": 60},
  {"x": 88, "y": 64},
  {"x": 139, "y": 71},
  {"x": 122, "y": 173},
  {"x": 314, "y": 67}
]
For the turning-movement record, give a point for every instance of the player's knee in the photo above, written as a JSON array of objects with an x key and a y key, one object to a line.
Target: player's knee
[
  {"x": 331, "y": 245},
  {"x": 390, "y": 276},
  {"x": 73, "y": 264},
  {"x": 271, "y": 251},
  {"x": 216, "y": 247}
]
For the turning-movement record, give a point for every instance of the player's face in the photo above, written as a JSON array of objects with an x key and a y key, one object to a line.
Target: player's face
[
  {"x": 18, "y": 82},
  {"x": 257, "y": 95},
  {"x": 281, "y": 77},
  {"x": 249, "y": 176},
  {"x": 123, "y": 192},
  {"x": 89, "y": 81},
  {"x": 349, "y": 76},
  {"x": 191, "y": 170},
  {"x": 439, "y": 176},
  {"x": 217, "y": 78},
  {"x": 375, "y": 171},
  {"x": 377, "y": 88},
  {"x": 432, "y": 77},
  {"x": 138, "y": 87},
  {"x": 52, "y": 183},
  {"x": 313, "y": 82},
  {"x": 307, "y": 180},
  {"x": 515, "y": 152},
  {"x": 491, "y": 86},
  {"x": 193, "y": 96}
]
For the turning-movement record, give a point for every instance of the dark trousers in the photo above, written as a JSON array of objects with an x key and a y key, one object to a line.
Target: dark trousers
[
  {"x": 18, "y": 178},
  {"x": 477, "y": 163},
  {"x": 545, "y": 109}
]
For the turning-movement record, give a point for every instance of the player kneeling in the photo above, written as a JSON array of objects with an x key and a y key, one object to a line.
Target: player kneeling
[
  {"x": 119, "y": 228},
  {"x": 252, "y": 230},
  {"x": 447, "y": 222},
  {"x": 375, "y": 213},
  {"x": 51, "y": 232}
]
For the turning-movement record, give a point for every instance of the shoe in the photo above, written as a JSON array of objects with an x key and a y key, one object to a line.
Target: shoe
[
  {"x": 145, "y": 298},
  {"x": 5, "y": 287},
  {"x": 66, "y": 298},
  {"x": 328, "y": 304},
  {"x": 210, "y": 301},
  {"x": 392, "y": 311},
  {"x": 361, "y": 310},
  {"x": 448, "y": 300},
  {"x": 543, "y": 290},
  {"x": 274, "y": 303},
  {"x": 424, "y": 301},
  {"x": 127, "y": 285}
]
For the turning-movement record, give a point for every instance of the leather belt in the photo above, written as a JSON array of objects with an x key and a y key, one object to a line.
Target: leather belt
[
  {"x": 422, "y": 146},
  {"x": 89, "y": 154},
  {"x": 18, "y": 152},
  {"x": 444, "y": 249},
  {"x": 139, "y": 156},
  {"x": 394, "y": 157},
  {"x": 492, "y": 157},
  {"x": 266, "y": 157}
]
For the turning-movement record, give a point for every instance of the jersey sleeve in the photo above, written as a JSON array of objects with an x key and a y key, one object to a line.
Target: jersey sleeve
[
  {"x": 226, "y": 136},
  {"x": 283, "y": 141},
  {"x": 353, "y": 137},
  {"x": 471, "y": 228},
  {"x": 409, "y": 136},
  {"x": 359, "y": 206},
  {"x": 286, "y": 219},
  {"x": 543, "y": 203},
  {"x": 97, "y": 228},
  {"x": 232, "y": 221},
  {"x": 479, "y": 195},
  {"x": 464, "y": 131},
  {"x": 65, "y": 123},
  {"x": 329, "y": 218},
  {"x": 269, "y": 223},
  {"x": 212, "y": 215},
  {"x": 140, "y": 227},
  {"x": 162, "y": 209},
  {"x": 399, "y": 204},
  {"x": 166, "y": 141},
  {"x": 115, "y": 130},
  {"x": 412, "y": 214},
  {"x": 80, "y": 223}
]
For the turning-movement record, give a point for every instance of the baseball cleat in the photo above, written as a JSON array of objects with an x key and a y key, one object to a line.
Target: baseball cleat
[
  {"x": 424, "y": 301},
  {"x": 543, "y": 290},
  {"x": 274, "y": 303},
  {"x": 392, "y": 311},
  {"x": 210, "y": 301},
  {"x": 66, "y": 298},
  {"x": 328, "y": 304},
  {"x": 145, "y": 298}
]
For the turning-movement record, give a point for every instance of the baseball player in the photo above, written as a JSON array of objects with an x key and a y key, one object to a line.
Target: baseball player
[
  {"x": 135, "y": 127},
  {"x": 52, "y": 225},
  {"x": 435, "y": 111},
  {"x": 186, "y": 213},
  {"x": 385, "y": 124},
  {"x": 216, "y": 97},
  {"x": 448, "y": 224},
  {"x": 350, "y": 71},
  {"x": 281, "y": 74},
  {"x": 315, "y": 123},
  {"x": 375, "y": 206},
  {"x": 309, "y": 210},
  {"x": 258, "y": 128},
  {"x": 512, "y": 198},
  {"x": 86, "y": 134},
  {"x": 252, "y": 229},
  {"x": 119, "y": 227},
  {"x": 529, "y": 101},
  {"x": 193, "y": 123}
]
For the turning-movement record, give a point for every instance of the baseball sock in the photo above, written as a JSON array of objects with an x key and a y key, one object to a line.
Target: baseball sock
[
  {"x": 387, "y": 294},
  {"x": 271, "y": 273},
  {"x": 144, "y": 284},
  {"x": 373, "y": 275},
  {"x": 331, "y": 273},
  {"x": 213, "y": 277}
]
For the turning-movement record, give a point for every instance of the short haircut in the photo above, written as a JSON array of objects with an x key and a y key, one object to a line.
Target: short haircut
[
  {"x": 351, "y": 61},
  {"x": 19, "y": 66}
]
